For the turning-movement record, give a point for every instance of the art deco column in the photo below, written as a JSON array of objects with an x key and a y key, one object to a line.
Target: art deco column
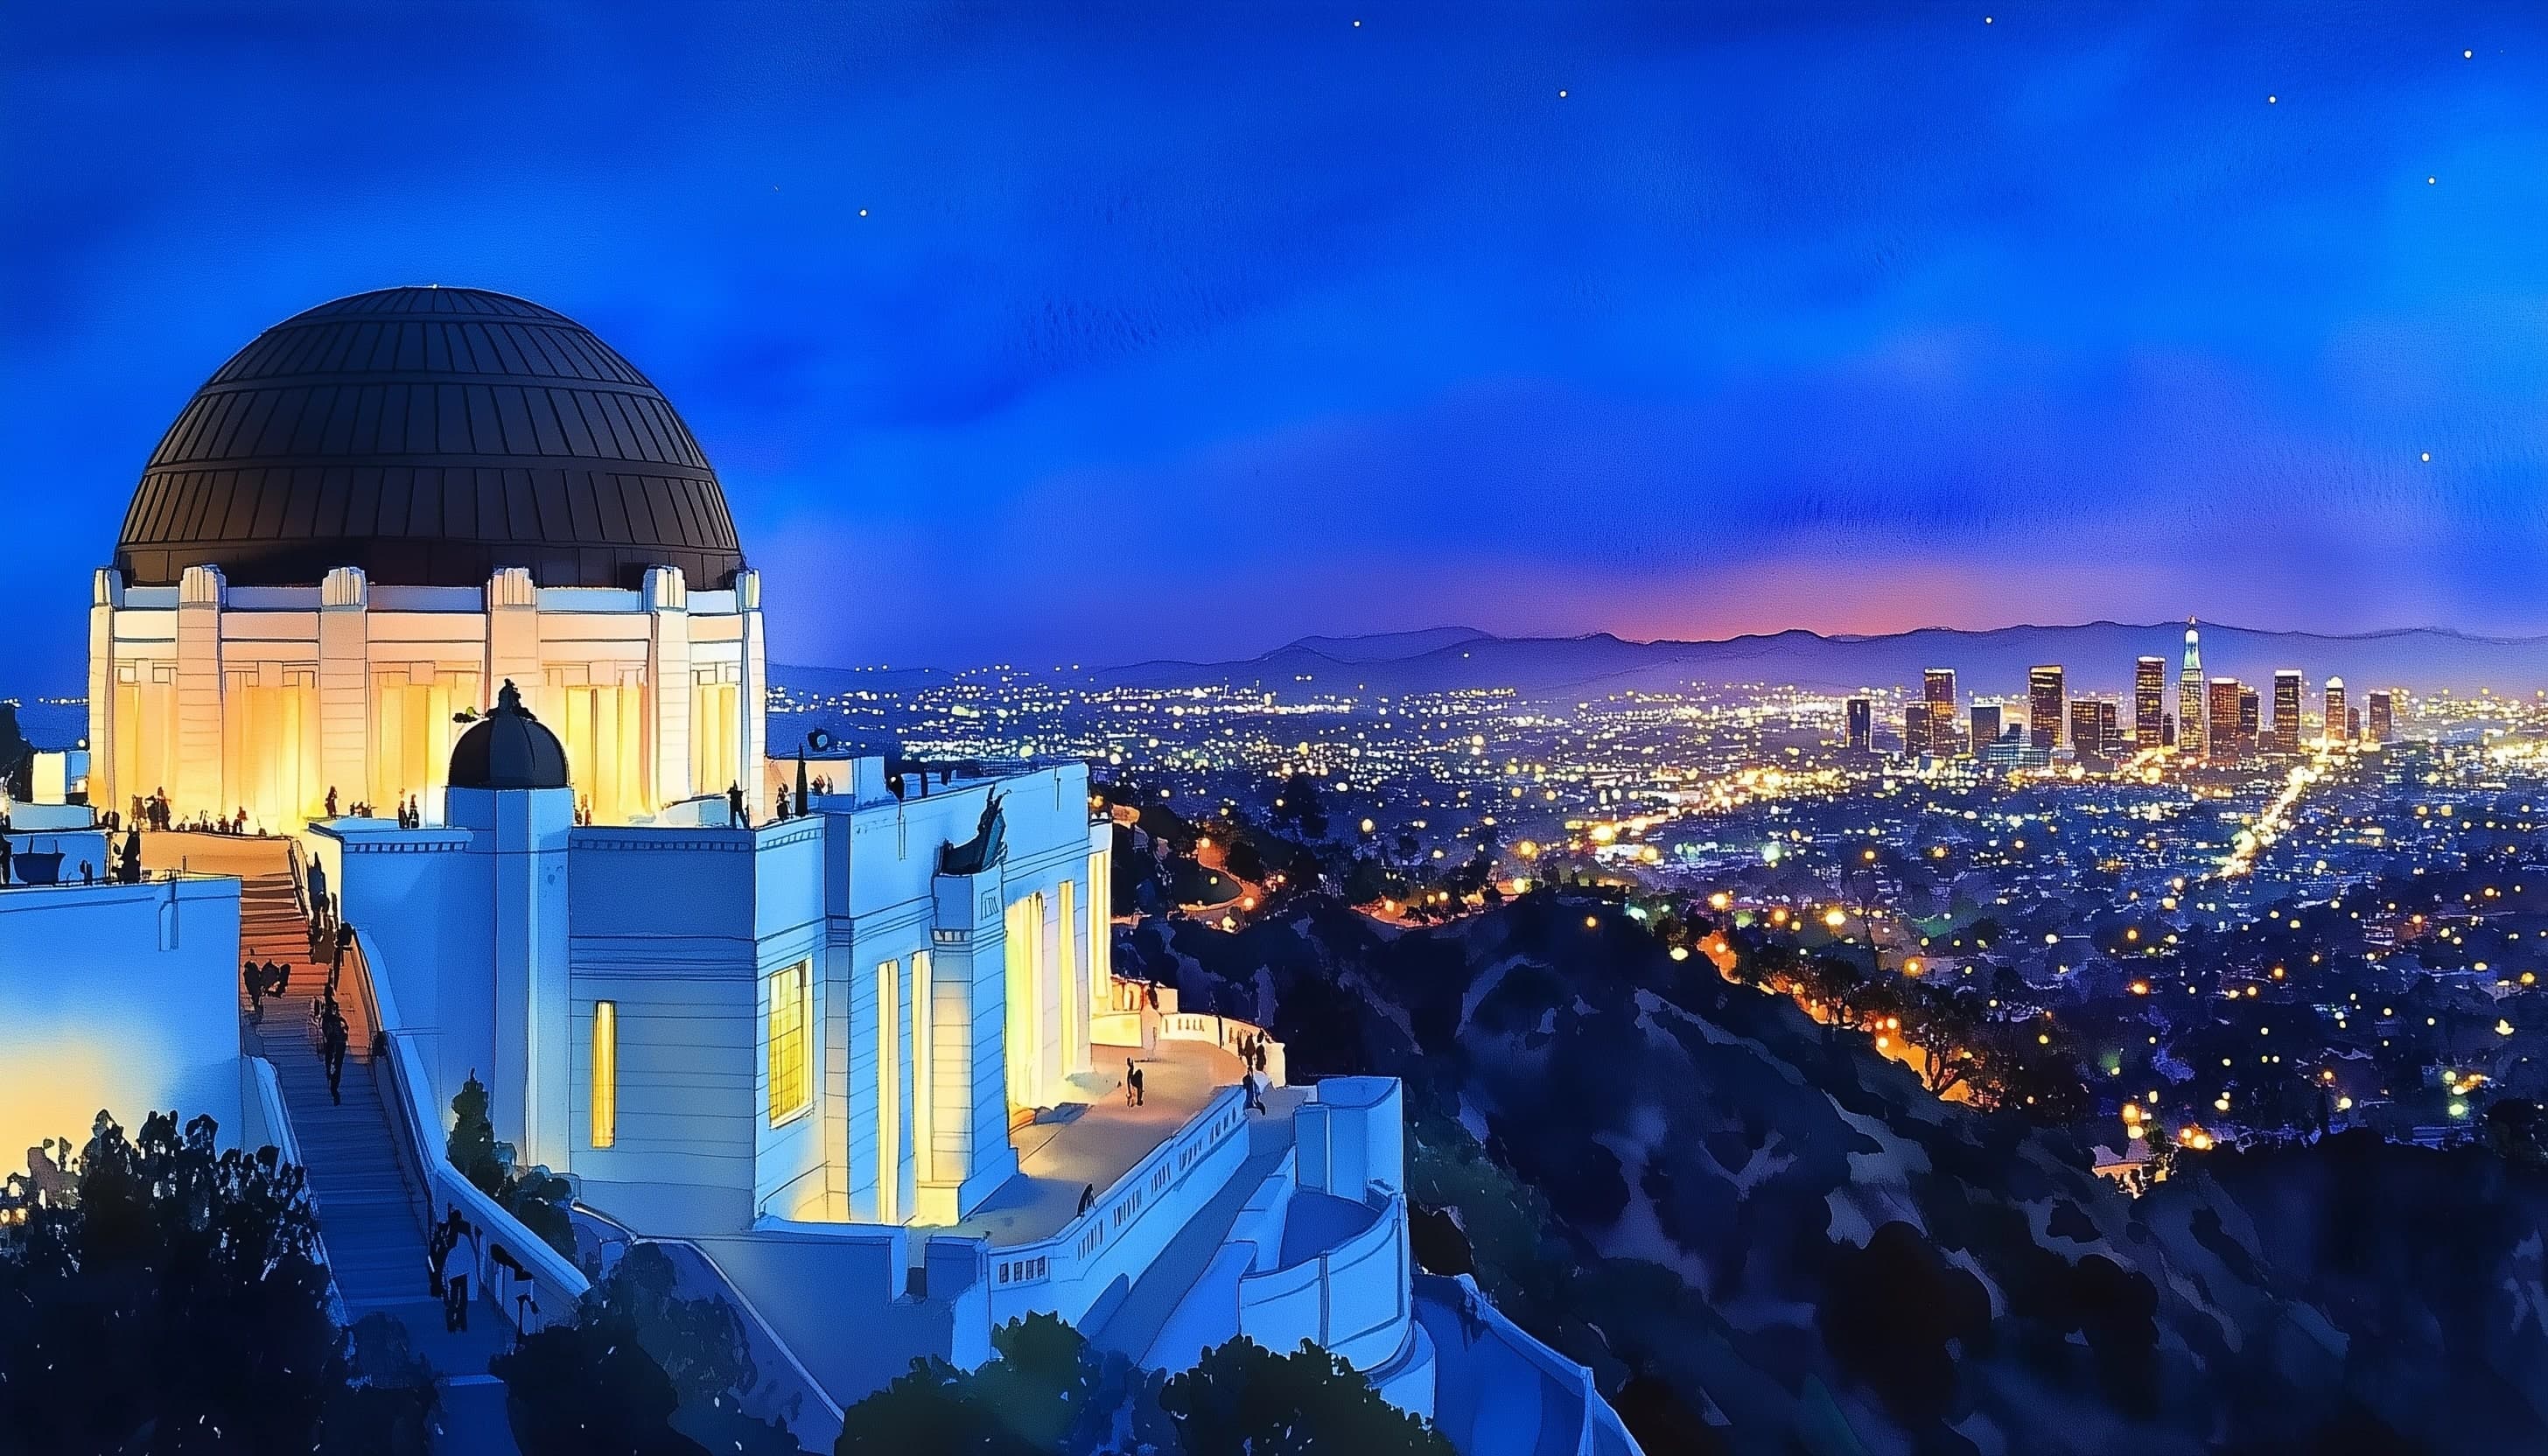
[
  {"x": 668, "y": 686},
  {"x": 513, "y": 640},
  {"x": 969, "y": 986},
  {"x": 755, "y": 704},
  {"x": 199, "y": 692},
  {"x": 105, "y": 596},
  {"x": 345, "y": 687}
]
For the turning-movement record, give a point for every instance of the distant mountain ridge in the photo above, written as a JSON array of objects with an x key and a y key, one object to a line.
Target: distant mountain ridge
[{"x": 2098, "y": 658}]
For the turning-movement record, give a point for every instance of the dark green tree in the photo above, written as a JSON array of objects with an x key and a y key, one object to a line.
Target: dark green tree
[
  {"x": 641, "y": 1369},
  {"x": 1243, "y": 1400},
  {"x": 168, "y": 1298},
  {"x": 535, "y": 1195},
  {"x": 471, "y": 1143}
]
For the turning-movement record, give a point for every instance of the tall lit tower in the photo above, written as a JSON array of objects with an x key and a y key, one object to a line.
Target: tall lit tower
[
  {"x": 1938, "y": 686},
  {"x": 2382, "y": 722},
  {"x": 2189, "y": 696},
  {"x": 2335, "y": 719},
  {"x": 2287, "y": 711},
  {"x": 1861, "y": 724},
  {"x": 2149, "y": 702},
  {"x": 2220, "y": 721},
  {"x": 2043, "y": 708}
]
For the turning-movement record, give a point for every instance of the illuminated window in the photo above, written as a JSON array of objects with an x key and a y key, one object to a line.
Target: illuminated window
[
  {"x": 922, "y": 1071},
  {"x": 605, "y": 1074},
  {"x": 888, "y": 1091},
  {"x": 789, "y": 1014},
  {"x": 1069, "y": 943}
]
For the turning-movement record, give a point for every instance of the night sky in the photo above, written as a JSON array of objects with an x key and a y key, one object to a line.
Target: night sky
[{"x": 1055, "y": 332}]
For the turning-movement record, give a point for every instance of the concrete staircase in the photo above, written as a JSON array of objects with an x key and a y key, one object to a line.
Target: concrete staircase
[{"x": 371, "y": 1211}]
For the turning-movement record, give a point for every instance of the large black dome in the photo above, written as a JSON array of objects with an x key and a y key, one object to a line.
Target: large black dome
[{"x": 428, "y": 435}]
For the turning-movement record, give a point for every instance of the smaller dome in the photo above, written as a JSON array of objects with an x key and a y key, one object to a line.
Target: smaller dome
[{"x": 508, "y": 749}]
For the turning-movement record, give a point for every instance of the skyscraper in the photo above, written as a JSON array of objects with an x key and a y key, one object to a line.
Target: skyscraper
[
  {"x": 2336, "y": 722},
  {"x": 2220, "y": 721},
  {"x": 2149, "y": 702},
  {"x": 1938, "y": 686},
  {"x": 1985, "y": 725},
  {"x": 2189, "y": 696},
  {"x": 2084, "y": 741},
  {"x": 2110, "y": 727},
  {"x": 2043, "y": 708},
  {"x": 1915, "y": 728},
  {"x": 2383, "y": 718},
  {"x": 1861, "y": 724},
  {"x": 2248, "y": 726},
  {"x": 2287, "y": 711}
]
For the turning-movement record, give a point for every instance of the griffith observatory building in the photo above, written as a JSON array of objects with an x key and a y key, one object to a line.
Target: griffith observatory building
[{"x": 432, "y": 603}]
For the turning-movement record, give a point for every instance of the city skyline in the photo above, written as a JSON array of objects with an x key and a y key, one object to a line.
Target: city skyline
[
  {"x": 1135, "y": 730},
  {"x": 1915, "y": 357}
]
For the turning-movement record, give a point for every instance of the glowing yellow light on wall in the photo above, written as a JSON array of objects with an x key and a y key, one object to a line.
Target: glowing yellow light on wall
[
  {"x": 605, "y": 1074},
  {"x": 789, "y": 1084}
]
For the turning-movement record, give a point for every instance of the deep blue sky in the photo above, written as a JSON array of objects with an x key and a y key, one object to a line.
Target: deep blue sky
[{"x": 1186, "y": 327}]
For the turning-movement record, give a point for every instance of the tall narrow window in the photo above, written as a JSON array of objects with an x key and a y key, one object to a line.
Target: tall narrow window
[
  {"x": 922, "y": 1093},
  {"x": 605, "y": 1074},
  {"x": 1017, "y": 997},
  {"x": 1101, "y": 929},
  {"x": 888, "y": 1091},
  {"x": 1067, "y": 933},
  {"x": 790, "y": 1079}
]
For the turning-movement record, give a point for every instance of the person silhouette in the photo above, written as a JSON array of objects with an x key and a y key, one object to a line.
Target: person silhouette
[
  {"x": 734, "y": 807},
  {"x": 252, "y": 976},
  {"x": 458, "y": 1258},
  {"x": 332, "y": 1039},
  {"x": 1087, "y": 1199}
]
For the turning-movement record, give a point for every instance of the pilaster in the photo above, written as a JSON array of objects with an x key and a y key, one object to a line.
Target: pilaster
[
  {"x": 754, "y": 697},
  {"x": 668, "y": 685},
  {"x": 199, "y": 692},
  {"x": 970, "y": 1120},
  {"x": 345, "y": 685},
  {"x": 106, "y": 597}
]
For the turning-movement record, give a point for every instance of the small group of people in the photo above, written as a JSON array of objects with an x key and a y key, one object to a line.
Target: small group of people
[
  {"x": 582, "y": 812},
  {"x": 263, "y": 979},
  {"x": 326, "y": 929},
  {"x": 450, "y": 1254},
  {"x": 153, "y": 811},
  {"x": 1251, "y": 1053},
  {"x": 409, "y": 814}
]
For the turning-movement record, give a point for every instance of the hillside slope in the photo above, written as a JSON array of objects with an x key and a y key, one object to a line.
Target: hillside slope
[{"x": 1764, "y": 1237}]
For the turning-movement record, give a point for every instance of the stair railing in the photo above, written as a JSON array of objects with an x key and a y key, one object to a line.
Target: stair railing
[{"x": 530, "y": 1284}]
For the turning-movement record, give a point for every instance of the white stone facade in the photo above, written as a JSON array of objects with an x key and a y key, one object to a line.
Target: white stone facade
[{"x": 264, "y": 698}]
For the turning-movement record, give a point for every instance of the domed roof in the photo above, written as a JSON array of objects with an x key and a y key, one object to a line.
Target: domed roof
[
  {"x": 428, "y": 435},
  {"x": 508, "y": 749}
]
